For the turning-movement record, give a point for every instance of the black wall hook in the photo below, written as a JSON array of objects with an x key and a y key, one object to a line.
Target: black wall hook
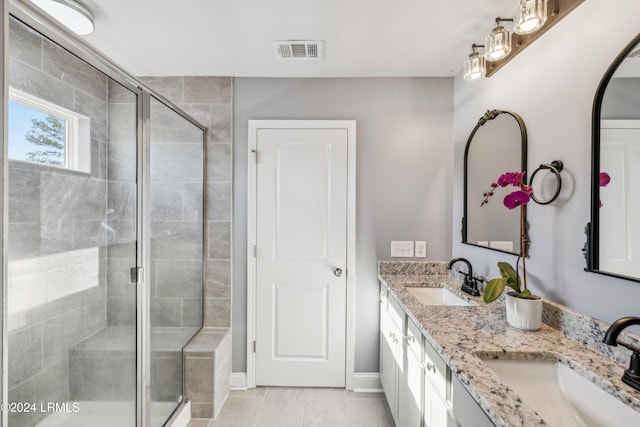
[{"x": 555, "y": 167}]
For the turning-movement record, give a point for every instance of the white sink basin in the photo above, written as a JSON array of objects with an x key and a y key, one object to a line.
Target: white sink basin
[
  {"x": 436, "y": 296},
  {"x": 561, "y": 396}
]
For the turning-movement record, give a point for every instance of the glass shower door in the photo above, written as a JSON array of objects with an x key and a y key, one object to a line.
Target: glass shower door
[
  {"x": 176, "y": 248},
  {"x": 72, "y": 239}
]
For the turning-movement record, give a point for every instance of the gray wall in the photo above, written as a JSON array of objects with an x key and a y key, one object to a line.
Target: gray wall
[
  {"x": 404, "y": 170},
  {"x": 622, "y": 99},
  {"x": 552, "y": 85}
]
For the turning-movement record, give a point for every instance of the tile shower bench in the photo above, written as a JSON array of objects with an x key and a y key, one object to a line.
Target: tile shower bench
[{"x": 103, "y": 367}]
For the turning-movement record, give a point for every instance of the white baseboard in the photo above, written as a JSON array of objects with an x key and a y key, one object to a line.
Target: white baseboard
[
  {"x": 363, "y": 382},
  {"x": 238, "y": 381}
]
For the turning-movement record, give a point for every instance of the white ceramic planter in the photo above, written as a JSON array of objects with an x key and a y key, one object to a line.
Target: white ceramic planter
[{"x": 525, "y": 314}]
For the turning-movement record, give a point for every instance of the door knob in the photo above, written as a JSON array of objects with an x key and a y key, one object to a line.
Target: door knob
[{"x": 338, "y": 272}]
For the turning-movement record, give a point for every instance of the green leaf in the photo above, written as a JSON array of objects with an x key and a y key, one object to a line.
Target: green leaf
[
  {"x": 514, "y": 287},
  {"x": 525, "y": 294},
  {"x": 508, "y": 272},
  {"x": 494, "y": 289}
]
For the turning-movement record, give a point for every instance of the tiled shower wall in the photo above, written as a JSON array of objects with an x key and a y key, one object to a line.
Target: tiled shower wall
[
  {"x": 209, "y": 100},
  {"x": 54, "y": 215}
]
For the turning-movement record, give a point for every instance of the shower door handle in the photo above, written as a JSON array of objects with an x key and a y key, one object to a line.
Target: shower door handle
[{"x": 136, "y": 275}]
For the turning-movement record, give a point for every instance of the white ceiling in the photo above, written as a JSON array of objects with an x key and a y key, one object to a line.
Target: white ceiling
[{"x": 363, "y": 38}]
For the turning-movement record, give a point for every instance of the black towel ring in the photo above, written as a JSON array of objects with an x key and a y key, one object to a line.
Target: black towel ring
[{"x": 555, "y": 167}]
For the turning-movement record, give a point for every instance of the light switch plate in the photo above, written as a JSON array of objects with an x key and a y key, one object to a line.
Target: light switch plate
[
  {"x": 402, "y": 249},
  {"x": 421, "y": 249}
]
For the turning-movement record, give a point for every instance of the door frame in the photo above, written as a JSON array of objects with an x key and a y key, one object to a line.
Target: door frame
[{"x": 254, "y": 126}]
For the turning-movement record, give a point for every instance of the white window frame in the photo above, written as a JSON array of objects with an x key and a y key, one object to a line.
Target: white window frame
[{"x": 77, "y": 146}]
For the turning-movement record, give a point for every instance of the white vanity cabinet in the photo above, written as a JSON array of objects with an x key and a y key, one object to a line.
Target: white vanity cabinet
[
  {"x": 437, "y": 380},
  {"x": 391, "y": 326},
  {"x": 400, "y": 362},
  {"x": 416, "y": 381},
  {"x": 468, "y": 412},
  {"x": 411, "y": 378}
]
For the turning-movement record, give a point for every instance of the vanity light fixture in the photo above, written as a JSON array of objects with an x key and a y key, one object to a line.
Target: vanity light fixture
[
  {"x": 498, "y": 42},
  {"x": 531, "y": 19},
  {"x": 529, "y": 16},
  {"x": 70, "y": 13},
  {"x": 474, "y": 65}
]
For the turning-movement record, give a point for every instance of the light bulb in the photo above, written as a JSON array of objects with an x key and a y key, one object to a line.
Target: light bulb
[
  {"x": 497, "y": 43},
  {"x": 530, "y": 16}
]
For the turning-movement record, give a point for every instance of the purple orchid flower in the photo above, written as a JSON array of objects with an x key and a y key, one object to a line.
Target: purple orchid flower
[{"x": 517, "y": 198}]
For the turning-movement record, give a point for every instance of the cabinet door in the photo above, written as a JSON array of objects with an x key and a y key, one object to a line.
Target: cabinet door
[
  {"x": 389, "y": 342},
  {"x": 436, "y": 408},
  {"x": 436, "y": 413},
  {"x": 411, "y": 378},
  {"x": 388, "y": 369}
]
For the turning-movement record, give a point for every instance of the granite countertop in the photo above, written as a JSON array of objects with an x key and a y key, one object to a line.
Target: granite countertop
[{"x": 463, "y": 334}]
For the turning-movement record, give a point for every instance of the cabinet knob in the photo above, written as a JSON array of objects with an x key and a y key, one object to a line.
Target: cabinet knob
[{"x": 431, "y": 367}]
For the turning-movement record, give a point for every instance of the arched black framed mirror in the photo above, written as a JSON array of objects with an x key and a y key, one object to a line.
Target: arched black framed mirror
[
  {"x": 497, "y": 144},
  {"x": 613, "y": 246}
]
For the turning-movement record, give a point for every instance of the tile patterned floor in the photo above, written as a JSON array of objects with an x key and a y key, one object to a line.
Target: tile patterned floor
[{"x": 301, "y": 407}]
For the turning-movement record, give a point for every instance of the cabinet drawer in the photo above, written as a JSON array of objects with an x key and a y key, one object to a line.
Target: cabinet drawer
[{"x": 435, "y": 370}]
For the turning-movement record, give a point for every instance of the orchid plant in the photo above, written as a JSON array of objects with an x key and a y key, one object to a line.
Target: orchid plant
[{"x": 509, "y": 275}]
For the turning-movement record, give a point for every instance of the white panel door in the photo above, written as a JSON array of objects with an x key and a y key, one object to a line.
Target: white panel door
[
  {"x": 619, "y": 233},
  {"x": 301, "y": 232}
]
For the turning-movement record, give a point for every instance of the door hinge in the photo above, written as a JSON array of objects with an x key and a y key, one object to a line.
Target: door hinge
[
  {"x": 254, "y": 346},
  {"x": 255, "y": 153},
  {"x": 136, "y": 275}
]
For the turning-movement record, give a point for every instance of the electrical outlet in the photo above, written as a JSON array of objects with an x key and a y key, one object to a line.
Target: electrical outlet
[
  {"x": 421, "y": 249},
  {"x": 402, "y": 249}
]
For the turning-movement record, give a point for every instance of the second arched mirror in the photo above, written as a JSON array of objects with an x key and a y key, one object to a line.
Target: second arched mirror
[
  {"x": 497, "y": 144},
  {"x": 614, "y": 233}
]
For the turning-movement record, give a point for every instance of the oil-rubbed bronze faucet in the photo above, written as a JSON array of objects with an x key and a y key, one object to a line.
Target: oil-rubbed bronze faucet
[
  {"x": 469, "y": 284},
  {"x": 632, "y": 374}
]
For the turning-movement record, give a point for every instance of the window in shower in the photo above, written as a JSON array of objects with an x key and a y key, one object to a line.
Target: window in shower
[
  {"x": 45, "y": 133},
  {"x": 72, "y": 240}
]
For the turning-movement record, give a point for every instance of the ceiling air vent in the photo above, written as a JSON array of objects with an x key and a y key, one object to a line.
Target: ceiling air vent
[{"x": 298, "y": 49}]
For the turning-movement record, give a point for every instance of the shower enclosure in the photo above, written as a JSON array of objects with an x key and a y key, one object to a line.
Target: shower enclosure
[{"x": 104, "y": 239}]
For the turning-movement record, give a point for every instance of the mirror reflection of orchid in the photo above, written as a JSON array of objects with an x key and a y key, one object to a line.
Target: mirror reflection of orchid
[
  {"x": 510, "y": 277},
  {"x": 515, "y": 198},
  {"x": 604, "y": 180}
]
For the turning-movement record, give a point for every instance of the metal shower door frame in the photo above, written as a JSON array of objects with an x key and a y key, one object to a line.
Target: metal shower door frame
[{"x": 30, "y": 14}]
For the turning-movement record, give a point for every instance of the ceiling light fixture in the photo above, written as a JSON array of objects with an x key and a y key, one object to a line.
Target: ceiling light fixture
[
  {"x": 474, "y": 65},
  {"x": 498, "y": 42},
  {"x": 530, "y": 16},
  {"x": 69, "y": 13}
]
